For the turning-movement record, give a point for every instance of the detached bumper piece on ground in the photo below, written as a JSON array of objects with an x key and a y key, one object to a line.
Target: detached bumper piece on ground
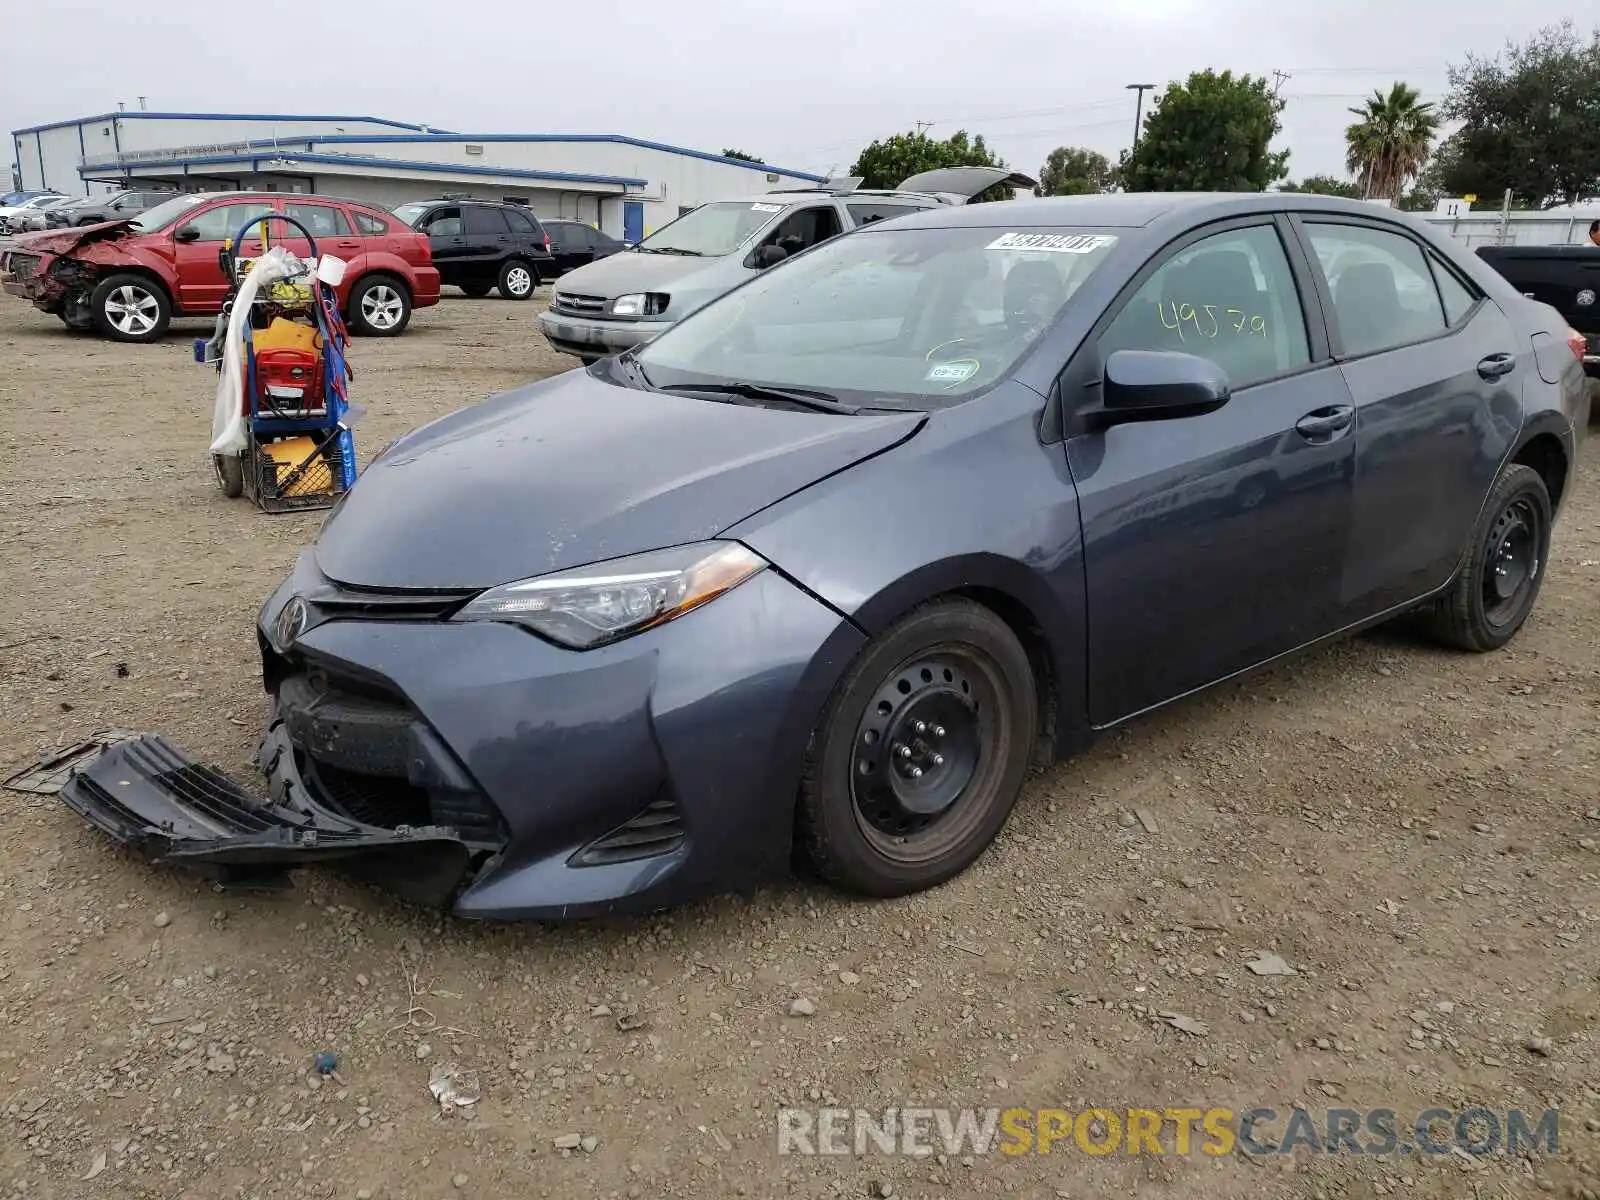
[{"x": 148, "y": 795}]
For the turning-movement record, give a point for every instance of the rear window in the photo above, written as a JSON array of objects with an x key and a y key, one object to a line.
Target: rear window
[
  {"x": 410, "y": 212},
  {"x": 370, "y": 224}
]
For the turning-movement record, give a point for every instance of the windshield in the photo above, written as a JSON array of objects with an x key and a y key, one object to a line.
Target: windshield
[
  {"x": 929, "y": 315},
  {"x": 410, "y": 212},
  {"x": 712, "y": 230},
  {"x": 169, "y": 211}
]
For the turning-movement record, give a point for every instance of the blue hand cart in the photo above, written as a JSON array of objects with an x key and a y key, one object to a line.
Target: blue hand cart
[{"x": 299, "y": 450}]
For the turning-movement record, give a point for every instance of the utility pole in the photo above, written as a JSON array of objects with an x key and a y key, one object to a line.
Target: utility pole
[
  {"x": 1138, "y": 110},
  {"x": 1279, "y": 78},
  {"x": 922, "y": 126}
]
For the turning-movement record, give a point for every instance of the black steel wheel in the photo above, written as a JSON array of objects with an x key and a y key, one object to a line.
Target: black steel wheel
[
  {"x": 921, "y": 752},
  {"x": 1499, "y": 583}
]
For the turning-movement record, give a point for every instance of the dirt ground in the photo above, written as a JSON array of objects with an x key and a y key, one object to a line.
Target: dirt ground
[{"x": 1413, "y": 831}]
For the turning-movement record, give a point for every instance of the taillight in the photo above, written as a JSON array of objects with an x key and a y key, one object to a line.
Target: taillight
[
  {"x": 1578, "y": 344},
  {"x": 547, "y": 241}
]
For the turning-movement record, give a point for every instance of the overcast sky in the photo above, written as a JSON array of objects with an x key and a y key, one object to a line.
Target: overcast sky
[{"x": 801, "y": 83}]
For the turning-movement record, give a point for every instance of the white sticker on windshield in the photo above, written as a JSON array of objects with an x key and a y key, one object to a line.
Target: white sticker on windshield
[
  {"x": 956, "y": 371},
  {"x": 766, "y": 208},
  {"x": 1054, "y": 243}
]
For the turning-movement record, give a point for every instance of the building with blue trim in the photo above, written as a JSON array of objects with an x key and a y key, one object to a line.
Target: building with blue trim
[{"x": 626, "y": 186}]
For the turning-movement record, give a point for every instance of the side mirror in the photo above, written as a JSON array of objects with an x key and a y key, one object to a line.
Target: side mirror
[
  {"x": 1155, "y": 385},
  {"x": 769, "y": 256},
  {"x": 186, "y": 233}
]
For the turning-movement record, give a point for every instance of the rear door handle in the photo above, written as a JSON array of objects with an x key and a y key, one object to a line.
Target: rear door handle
[
  {"x": 1496, "y": 366},
  {"x": 1326, "y": 423}
]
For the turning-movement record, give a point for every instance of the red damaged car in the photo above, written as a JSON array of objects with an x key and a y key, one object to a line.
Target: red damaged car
[{"x": 128, "y": 279}]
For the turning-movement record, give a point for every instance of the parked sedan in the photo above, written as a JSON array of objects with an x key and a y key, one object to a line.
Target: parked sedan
[
  {"x": 128, "y": 280},
  {"x": 574, "y": 244},
  {"x": 22, "y": 208},
  {"x": 30, "y": 220},
  {"x": 830, "y": 564},
  {"x": 117, "y": 206}
]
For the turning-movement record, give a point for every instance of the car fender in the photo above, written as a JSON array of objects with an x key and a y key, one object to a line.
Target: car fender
[
  {"x": 925, "y": 519},
  {"x": 109, "y": 257}
]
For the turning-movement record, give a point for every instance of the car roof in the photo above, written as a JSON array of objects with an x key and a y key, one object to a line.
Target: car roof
[{"x": 1129, "y": 210}]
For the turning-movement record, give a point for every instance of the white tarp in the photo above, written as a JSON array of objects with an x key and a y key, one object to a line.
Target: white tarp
[{"x": 227, "y": 418}]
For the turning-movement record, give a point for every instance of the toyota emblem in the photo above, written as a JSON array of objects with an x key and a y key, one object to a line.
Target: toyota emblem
[{"x": 292, "y": 621}]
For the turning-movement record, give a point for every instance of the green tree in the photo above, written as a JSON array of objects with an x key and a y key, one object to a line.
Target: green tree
[
  {"x": 1323, "y": 185},
  {"x": 1212, "y": 132},
  {"x": 1074, "y": 171},
  {"x": 740, "y": 154},
  {"x": 1530, "y": 120},
  {"x": 1388, "y": 143},
  {"x": 887, "y": 162}
]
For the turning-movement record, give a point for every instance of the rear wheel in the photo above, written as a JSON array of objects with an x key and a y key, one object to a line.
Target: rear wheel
[
  {"x": 517, "y": 280},
  {"x": 379, "y": 306},
  {"x": 230, "y": 473},
  {"x": 1500, "y": 582},
  {"x": 476, "y": 290},
  {"x": 921, "y": 753},
  {"x": 130, "y": 308}
]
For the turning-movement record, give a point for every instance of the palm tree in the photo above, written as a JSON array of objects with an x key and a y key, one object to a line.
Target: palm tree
[{"x": 1388, "y": 146}]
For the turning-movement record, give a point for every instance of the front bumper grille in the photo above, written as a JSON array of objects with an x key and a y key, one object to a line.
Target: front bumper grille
[
  {"x": 367, "y": 754},
  {"x": 658, "y": 830},
  {"x": 22, "y": 267},
  {"x": 573, "y": 304}
]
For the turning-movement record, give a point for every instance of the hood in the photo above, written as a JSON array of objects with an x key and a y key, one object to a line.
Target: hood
[
  {"x": 957, "y": 185},
  {"x": 575, "y": 470},
  {"x": 630, "y": 271},
  {"x": 63, "y": 241}
]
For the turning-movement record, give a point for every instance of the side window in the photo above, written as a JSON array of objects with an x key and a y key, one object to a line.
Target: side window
[
  {"x": 520, "y": 222},
  {"x": 442, "y": 222},
  {"x": 370, "y": 225},
  {"x": 1458, "y": 297},
  {"x": 865, "y": 212},
  {"x": 323, "y": 220},
  {"x": 485, "y": 220},
  {"x": 1383, "y": 292},
  {"x": 224, "y": 221},
  {"x": 804, "y": 229},
  {"x": 1230, "y": 298}
]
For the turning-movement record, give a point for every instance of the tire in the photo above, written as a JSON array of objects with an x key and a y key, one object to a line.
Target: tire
[
  {"x": 475, "y": 290},
  {"x": 379, "y": 306},
  {"x": 230, "y": 474},
  {"x": 130, "y": 308},
  {"x": 887, "y": 809},
  {"x": 1504, "y": 569},
  {"x": 518, "y": 279}
]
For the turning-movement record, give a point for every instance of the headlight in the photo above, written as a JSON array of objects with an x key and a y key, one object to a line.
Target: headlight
[
  {"x": 589, "y": 606},
  {"x": 639, "y": 304}
]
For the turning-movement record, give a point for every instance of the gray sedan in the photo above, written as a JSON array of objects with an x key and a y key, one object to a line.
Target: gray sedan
[{"x": 832, "y": 563}]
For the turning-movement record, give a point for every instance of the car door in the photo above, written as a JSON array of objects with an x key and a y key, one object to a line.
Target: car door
[
  {"x": 603, "y": 245},
  {"x": 448, "y": 243},
  {"x": 804, "y": 228},
  {"x": 488, "y": 242},
  {"x": 329, "y": 225},
  {"x": 201, "y": 282},
  {"x": 569, "y": 242},
  {"x": 1438, "y": 402},
  {"x": 1213, "y": 542}
]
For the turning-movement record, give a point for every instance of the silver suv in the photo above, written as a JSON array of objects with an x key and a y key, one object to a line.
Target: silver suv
[{"x": 625, "y": 300}]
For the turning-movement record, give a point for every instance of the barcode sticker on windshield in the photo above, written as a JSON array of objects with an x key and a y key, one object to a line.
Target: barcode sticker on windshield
[
  {"x": 1053, "y": 243},
  {"x": 766, "y": 208}
]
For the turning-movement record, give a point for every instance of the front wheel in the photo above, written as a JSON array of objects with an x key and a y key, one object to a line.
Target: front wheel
[
  {"x": 130, "y": 308},
  {"x": 517, "y": 280},
  {"x": 379, "y": 307},
  {"x": 1498, "y": 585},
  {"x": 921, "y": 753}
]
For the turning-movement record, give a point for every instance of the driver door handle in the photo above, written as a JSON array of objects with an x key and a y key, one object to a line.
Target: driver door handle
[
  {"x": 1496, "y": 366},
  {"x": 1324, "y": 424}
]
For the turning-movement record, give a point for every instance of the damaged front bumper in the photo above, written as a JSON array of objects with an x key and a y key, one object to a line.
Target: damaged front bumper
[{"x": 146, "y": 794}]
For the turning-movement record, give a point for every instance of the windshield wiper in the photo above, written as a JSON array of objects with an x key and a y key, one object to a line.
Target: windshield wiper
[
  {"x": 816, "y": 401},
  {"x": 669, "y": 250}
]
